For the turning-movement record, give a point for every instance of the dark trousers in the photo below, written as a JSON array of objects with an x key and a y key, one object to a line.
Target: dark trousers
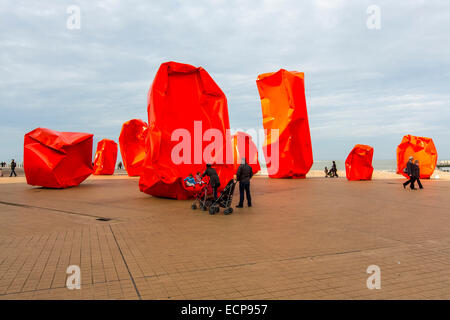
[
  {"x": 244, "y": 186},
  {"x": 13, "y": 172},
  {"x": 418, "y": 182},
  {"x": 410, "y": 181},
  {"x": 215, "y": 190}
]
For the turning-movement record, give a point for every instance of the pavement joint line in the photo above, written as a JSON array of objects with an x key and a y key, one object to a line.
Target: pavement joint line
[
  {"x": 50, "y": 209},
  {"x": 126, "y": 264},
  {"x": 204, "y": 269},
  {"x": 55, "y": 288},
  {"x": 321, "y": 255}
]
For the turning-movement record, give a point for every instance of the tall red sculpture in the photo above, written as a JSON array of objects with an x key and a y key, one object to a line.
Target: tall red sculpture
[
  {"x": 105, "y": 157},
  {"x": 184, "y": 104},
  {"x": 243, "y": 146},
  {"x": 55, "y": 159},
  {"x": 289, "y": 153},
  {"x": 420, "y": 148},
  {"x": 358, "y": 165},
  {"x": 132, "y": 141}
]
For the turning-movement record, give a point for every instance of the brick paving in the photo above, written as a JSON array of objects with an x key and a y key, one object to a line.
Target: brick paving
[{"x": 303, "y": 239}]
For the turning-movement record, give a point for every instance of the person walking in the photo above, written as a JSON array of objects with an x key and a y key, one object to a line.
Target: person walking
[
  {"x": 243, "y": 175},
  {"x": 334, "y": 170},
  {"x": 13, "y": 168},
  {"x": 416, "y": 175},
  {"x": 409, "y": 171},
  {"x": 213, "y": 178}
]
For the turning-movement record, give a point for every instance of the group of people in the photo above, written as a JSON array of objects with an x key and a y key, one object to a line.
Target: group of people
[
  {"x": 413, "y": 171},
  {"x": 243, "y": 175},
  {"x": 332, "y": 173},
  {"x": 13, "y": 166},
  {"x": 192, "y": 181}
]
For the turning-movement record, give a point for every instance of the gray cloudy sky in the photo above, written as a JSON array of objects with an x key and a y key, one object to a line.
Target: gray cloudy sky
[{"x": 362, "y": 86}]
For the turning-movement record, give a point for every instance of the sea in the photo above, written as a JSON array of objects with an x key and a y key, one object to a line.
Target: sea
[{"x": 382, "y": 165}]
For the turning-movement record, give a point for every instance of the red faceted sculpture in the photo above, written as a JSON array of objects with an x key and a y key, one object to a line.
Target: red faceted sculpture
[
  {"x": 132, "y": 145},
  {"x": 244, "y": 147},
  {"x": 358, "y": 165},
  {"x": 287, "y": 147},
  {"x": 188, "y": 122},
  {"x": 105, "y": 157},
  {"x": 55, "y": 159},
  {"x": 420, "y": 148}
]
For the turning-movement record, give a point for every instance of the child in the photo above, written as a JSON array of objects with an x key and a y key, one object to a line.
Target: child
[
  {"x": 190, "y": 181},
  {"x": 198, "y": 178},
  {"x": 326, "y": 172}
]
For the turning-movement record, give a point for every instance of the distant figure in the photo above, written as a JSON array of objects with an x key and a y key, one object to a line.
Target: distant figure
[
  {"x": 120, "y": 165},
  {"x": 243, "y": 175},
  {"x": 416, "y": 175},
  {"x": 409, "y": 171},
  {"x": 326, "y": 172},
  {"x": 214, "y": 179},
  {"x": 13, "y": 168},
  {"x": 190, "y": 181},
  {"x": 333, "y": 170}
]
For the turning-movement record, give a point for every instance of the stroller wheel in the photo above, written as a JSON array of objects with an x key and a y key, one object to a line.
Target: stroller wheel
[
  {"x": 194, "y": 206},
  {"x": 228, "y": 211}
]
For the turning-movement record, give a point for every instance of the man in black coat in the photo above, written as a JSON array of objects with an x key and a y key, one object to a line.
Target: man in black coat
[
  {"x": 416, "y": 175},
  {"x": 243, "y": 175},
  {"x": 13, "y": 168},
  {"x": 409, "y": 171},
  {"x": 213, "y": 178}
]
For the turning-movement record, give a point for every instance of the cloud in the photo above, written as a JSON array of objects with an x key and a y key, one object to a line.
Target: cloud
[{"x": 362, "y": 86}]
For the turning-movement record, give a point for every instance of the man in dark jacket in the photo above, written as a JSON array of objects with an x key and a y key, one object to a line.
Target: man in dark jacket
[
  {"x": 243, "y": 175},
  {"x": 13, "y": 168},
  {"x": 416, "y": 175},
  {"x": 213, "y": 178},
  {"x": 409, "y": 171}
]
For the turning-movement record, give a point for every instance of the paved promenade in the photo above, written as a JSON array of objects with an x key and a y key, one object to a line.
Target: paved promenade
[{"x": 303, "y": 239}]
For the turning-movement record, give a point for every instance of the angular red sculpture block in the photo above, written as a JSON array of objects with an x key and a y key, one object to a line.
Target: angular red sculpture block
[
  {"x": 358, "y": 165},
  {"x": 283, "y": 105},
  {"x": 55, "y": 159},
  {"x": 132, "y": 141},
  {"x": 420, "y": 148},
  {"x": 105, "y": 157},
  {"x": 184, "y": 99},
  {"x": 243, "y": 145}
]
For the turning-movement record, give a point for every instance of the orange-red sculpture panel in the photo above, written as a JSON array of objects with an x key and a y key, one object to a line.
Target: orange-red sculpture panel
[
  {"x": 420, "y": 148},
  {"x": 55, "y": 159},
  {"x": 284, "y": 109},
  {"x": 105, "y": 157},
  {"x": 244, "y": 147},
  {"x": 184, "y": 103},
  {"x": 132, "y": 141},
  {"x": 358, "y": 165}
]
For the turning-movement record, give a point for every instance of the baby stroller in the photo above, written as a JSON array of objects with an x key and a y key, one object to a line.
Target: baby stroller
[{"x": 206, "y": 199}]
